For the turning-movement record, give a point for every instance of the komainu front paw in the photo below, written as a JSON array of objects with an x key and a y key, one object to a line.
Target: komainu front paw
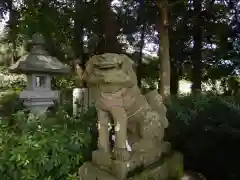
[
  {"x": 121, "y": 154},
  {"x": 102, "y": 158}
]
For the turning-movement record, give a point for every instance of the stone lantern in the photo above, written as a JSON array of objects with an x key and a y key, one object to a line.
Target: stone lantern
[{"x": 39, "y": 67}]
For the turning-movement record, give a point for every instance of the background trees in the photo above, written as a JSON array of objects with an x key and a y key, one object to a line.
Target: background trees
[
  {"x": 169, "y": 40},
  {"x": 202, "y": 35}
]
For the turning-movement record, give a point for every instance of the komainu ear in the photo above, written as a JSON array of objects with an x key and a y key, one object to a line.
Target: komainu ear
[
  {"x": 128, "y": 62},
  {"x": 127, "y": 59},
  {"x": 88, "y": 68}
]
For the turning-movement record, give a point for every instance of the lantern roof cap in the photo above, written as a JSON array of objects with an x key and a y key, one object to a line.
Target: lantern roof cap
[{"x": 38, "y": 60}]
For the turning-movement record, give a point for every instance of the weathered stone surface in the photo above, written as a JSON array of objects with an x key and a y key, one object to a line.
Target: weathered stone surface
[
  {"x": 189, "y": 175},
  {"x": 88, "y": 171},
  {"x": 39, "y": 66},
  {"x": 117, "y": 94},
  {"x": 102, "y": 158},
  {"x": 138, "y": 119},
  {"x": 38, "y": 60},
  {"x": 168, "y": 167},
  {"x": 156, "y": 103},
  {"x": 39, "y": 101}
]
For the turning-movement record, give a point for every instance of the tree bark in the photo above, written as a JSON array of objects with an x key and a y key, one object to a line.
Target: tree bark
[
  {"x": 78, "y": 31},
  {"x": 79, "y": 60},
  {"x": 197, "y": 48},
  {"x": 12, "y": 26},
  {"x": 143, "y": 25},
  {"x": 164, "y": 73},
  {"x": 139, "y": 65},
  {"x": 109, "y": 29},
  {"x": 174, "y": 81}
]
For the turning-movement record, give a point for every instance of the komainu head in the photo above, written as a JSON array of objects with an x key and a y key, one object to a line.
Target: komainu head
[{"x": 110, "y": 68}]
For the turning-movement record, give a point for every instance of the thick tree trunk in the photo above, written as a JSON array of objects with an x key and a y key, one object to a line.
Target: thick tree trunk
[
  {"x": 174, "y": 81},
  {"x": 78, "y": 40},
  {"x": 78, "y": 31},
  {"x": 143, "y": 25},
  {"x": 139, "y": 65},
  {"x": 108, "y": 28},
  {"x": 197, "y": 48},
  {"x": 164, "y": 73}
]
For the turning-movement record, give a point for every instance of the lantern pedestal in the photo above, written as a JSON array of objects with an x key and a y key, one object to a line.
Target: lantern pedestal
[{"x": 39, "y": 101}]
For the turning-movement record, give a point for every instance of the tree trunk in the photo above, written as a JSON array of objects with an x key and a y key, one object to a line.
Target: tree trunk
[
  {"x": 78, "y": 39},
  {"x": 139, "y": 65},
  {"x": 174, "y": 81},
  {"x": 164, "y": 73},
  {"x": 197, "y": 48},
  {"x": 12, "y": 33},
  {"x": 142, "y": 22},
  {"x": 109, "y": 29},
  {"x": 78, "y": 31}
]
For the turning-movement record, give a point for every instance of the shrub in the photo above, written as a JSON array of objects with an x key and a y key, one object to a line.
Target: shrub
[
  {"x": 206, "y": 129},
  {"x": 10, "y": 86},
  {"x": 10, "y": 103},
  {"x": 10, "y": 81},
  {"x": 50, "y": 147}
]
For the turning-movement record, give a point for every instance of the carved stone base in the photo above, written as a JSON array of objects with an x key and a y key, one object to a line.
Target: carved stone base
[
  {"x": 121, "y": 154},
  {"x": 89, "y": 171},
  {"x": 102, "y": 159},
  {"x": 168, "y": 167}
]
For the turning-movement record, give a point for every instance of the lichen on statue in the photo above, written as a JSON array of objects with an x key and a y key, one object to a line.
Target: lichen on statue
[
  {"x": 117, "y": 98},
  {"x": 108, "y": 70}
]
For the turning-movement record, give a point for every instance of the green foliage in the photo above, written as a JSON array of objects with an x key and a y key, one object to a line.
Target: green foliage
[
  {"x": 49, "y": 148},
  {"x": 11, "y": 82},
  {"x": 10, "y": 103},
  {"x": 63, "y": 82},
  {"x": 68, "y": 22},
  {"x": 206, "y": 129}
]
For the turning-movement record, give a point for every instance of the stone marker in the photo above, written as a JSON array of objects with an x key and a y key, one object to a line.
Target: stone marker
[
  {"x": 140, "y": 120},
  {"x": 81, "y": 95},
  {"x": 39, "y": 67}
]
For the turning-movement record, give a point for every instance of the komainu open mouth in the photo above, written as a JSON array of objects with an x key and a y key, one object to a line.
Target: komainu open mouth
[{"x": 107, "y": 66}]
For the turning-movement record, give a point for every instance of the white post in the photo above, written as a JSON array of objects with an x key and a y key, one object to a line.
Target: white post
[
  {"x": 80, "y": 97},
  {"x": 76, "y": 99}
]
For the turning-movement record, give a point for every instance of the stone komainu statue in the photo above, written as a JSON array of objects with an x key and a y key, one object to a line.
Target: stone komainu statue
[{"x": 137, "y": 119}]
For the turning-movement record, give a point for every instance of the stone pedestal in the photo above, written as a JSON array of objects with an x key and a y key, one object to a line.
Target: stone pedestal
[
  {"x": 169, "y": 166},
  {"x": 39, "y": 101}
]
